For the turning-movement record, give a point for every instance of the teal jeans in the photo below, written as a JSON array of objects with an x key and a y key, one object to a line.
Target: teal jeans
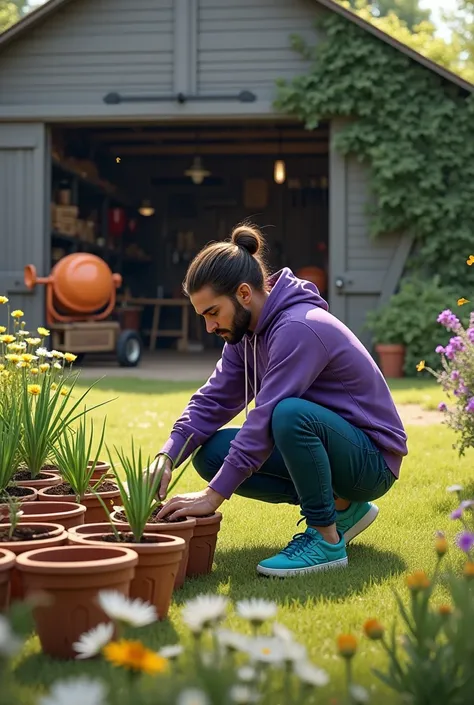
[{"x": 318, "y": 456}]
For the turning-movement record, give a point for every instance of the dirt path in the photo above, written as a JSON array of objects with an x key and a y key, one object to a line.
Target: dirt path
[{"x": 415, "y": 415}]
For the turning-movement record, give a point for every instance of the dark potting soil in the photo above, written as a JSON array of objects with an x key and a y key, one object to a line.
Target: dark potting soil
[
  {"x": 121, "y": 516},
  {"x": 50, "y": 468},
  {"x": 24, "y": 475},
  {"x": 24, "y": 533},
  {"x": 66, "y": 489},
  {"x": 15, "y": 492},
  {"x": 124, "y": 538}
]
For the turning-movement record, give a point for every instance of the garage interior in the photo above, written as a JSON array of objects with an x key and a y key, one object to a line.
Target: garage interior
[{"x": 147, "y": 198}]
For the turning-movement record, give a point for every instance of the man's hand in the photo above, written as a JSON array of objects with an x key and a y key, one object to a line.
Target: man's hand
[
  {"x": 194, "y": 504},
  {"x": 155, "y": 468}
]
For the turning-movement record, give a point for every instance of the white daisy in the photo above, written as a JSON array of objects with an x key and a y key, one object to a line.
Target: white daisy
[
  {"x": 75, "y": 691},
  {"x": 136, "y": 613},
  {"x": 359, "y": 694},
  {"x": 92, "y": 642},
  {"x": 205, "y": 610},
  {"x": 21, "y": 346},
  {"x": 171, "y": 652},
  {"x": 266, "y": 650},
  {"x": 454, "y": 488},
  {"x": 232, "y": 640},
  {"x": 280, "y": 631},
  {"x": 57, "y": 354},
  {"x": 243, "y": 695},
  {"x": 23, "y": 332},
  {"x": 256, "y": 611},
  {"x": 294, "y": 651},
  {"x": 247, "y": 674},
  {"x": 310, "y": 674},
  {"x": 42, "y": 352},
  {"x": 10, "y": 645},
  {"x": 57, "y": 366},
  {"x": 193, "y": 696}
]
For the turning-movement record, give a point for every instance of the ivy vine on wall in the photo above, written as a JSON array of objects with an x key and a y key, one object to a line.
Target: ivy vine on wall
[{"x": 412, "y": 128}]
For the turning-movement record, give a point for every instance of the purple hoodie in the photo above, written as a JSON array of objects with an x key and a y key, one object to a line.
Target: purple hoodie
[{"x": 298, "y": 349}]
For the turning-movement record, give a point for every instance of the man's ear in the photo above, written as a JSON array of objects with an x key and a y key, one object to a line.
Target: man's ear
[{"x": 244, "y": 294}]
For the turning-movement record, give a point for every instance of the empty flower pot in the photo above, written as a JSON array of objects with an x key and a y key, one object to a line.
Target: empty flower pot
[
  {"x": 391, "y": 360},
  {"x": 69, "y": 579},
  {"x": 7, "y": 562},
  {"x": 67, "y": 514},
  {"x": 203, "y": 545}
]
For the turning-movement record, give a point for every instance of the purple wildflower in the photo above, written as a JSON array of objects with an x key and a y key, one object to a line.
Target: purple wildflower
[
  {"x": 457, "y": 514},
  {"x": 462, "y": 388},
  {"x": 470, "y": 334},
  {"x": 449, "y": 320},
  {"x": 457, "y": 344},
  {"x": 465, "y": 541},
  {"x": 470, "y": 405},
  {"x": 442, "y": 406},
  {"x": 440, "y": 350},
  {"x": 449, "y": 352},
  {"x": 455, "y": 375},
  {"x": 471, "y": 319}
]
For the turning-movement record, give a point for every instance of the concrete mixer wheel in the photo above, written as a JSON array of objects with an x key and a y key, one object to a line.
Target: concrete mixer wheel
[{"x": 129, "y": 348}]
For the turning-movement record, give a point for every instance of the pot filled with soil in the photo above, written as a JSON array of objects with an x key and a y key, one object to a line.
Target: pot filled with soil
[
  {"x": 70, "y": 578},
  {"x": 203, "y": 545},
  {"x": 22, "y": 494},
  {"x": 67, "y": 514},
  {"x": 159, "y": 558},
  {"x": 22, "y": 478},
  {"x": 25, "y": 537},
  {"x": 183, "y": 528},
  {"x": 95, "y": 512},
  {"x": 7, "y": 562}
]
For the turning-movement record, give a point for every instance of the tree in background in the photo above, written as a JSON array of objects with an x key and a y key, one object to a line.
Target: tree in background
[
  {"x": 461, "y": 23},
  {"x": 12, "y": 10},
  {"x": 408, "y": 11}
]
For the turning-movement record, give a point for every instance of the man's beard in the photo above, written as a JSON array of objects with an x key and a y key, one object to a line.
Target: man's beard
[{"x": 240, "y": 325}]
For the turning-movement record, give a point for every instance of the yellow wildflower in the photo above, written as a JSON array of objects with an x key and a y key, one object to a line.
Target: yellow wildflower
[
  {"x": 420, "y": 366},
  {"x": 34, "y": 371},
  {"x": 64, "y": 391},
  {"x": 374, "y": 629},
  {"x": 13, "y": 358},
  {"x": 135, "y": 656},
  {"x": 3, "y": 300},
  {"x": 43, "y": 332},
  {"x": 34, "y": 389},
  {"x": 44, "y": 367},
  {"x": 470, "y": 261},
  {"x": 22, "y": 365},
  {"x": 2, "y": 367},
  {"x": 346, "y": 645},
  {"x": 461, "y": 302},
  {"x": 7, "y": 338},
  {"x": 57, "y": 354},
  {"x": 3, "y": 329},
  {"x": 54, "y": 386},
  {"x": 27, "y": 357},
  {"x": 469, "y": 570},
  {"x": 441, "y": 545},
  {"x": 18, "y": 313},
  {"x": 418, "y": 581},
  {"x": 14, "y": 347},
  {"x": 445, "y": 610},
  {"x": 33, "y": 341},
  {"x": 69, "y": 357}
]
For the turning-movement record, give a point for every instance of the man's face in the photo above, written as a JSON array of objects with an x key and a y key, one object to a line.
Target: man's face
[{"x": 224, "y": 316}]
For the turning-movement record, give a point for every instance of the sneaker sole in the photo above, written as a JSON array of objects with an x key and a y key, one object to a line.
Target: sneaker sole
[
  {"x": 362, "y": 524},
  {"x": 290, "y": 573}
]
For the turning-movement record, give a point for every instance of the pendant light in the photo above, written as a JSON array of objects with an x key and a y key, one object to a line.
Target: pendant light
[
  {"x": 279, "y": 168},
  {"x": 197, "y": 172},
  {"x": 146, "y": 209}
]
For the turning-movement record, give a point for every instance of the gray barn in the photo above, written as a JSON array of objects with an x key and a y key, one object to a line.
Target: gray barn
[{"x": 105, "y": 104}]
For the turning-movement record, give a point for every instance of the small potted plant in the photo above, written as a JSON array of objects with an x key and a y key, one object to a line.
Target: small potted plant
[
  {"x": 159, "y": 555},
  {"x": 72, "y": 452},
  {"x": 10, "y": 431}
]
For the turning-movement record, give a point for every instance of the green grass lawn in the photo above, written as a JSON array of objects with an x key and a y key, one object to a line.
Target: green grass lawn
[{"x": 316, "y": 607}]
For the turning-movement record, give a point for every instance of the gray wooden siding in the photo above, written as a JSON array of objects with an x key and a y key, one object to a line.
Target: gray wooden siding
[
  {"x": 88, "y": 49},
  {"x": 22, "y": 216},
  {"x": 246, "y": 44}
]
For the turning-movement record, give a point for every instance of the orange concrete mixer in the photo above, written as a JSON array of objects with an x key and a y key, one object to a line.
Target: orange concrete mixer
[{"x": 80, "y": 297}]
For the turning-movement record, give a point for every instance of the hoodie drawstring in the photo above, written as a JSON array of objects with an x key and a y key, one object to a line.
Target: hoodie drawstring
[{"x": 247, "y": 374}]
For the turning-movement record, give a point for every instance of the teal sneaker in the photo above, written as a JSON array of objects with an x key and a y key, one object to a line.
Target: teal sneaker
[
  {"x": 306, "y": 553},
  {"x": 355, "y": 519}
]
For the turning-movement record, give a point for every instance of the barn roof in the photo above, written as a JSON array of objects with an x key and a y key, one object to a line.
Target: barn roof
[{"x": 44, "y": 11}]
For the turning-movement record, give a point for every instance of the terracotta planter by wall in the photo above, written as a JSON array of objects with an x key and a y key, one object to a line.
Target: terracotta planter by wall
[
  {"x": 48, "y": 479},
  {"x": 203, "y": 545},
  {"x": 7, "y": 562},
  {"x": 391, "y": 360},
  {"x": 55, "y": 536},
  {"x": 67, "y": 514},
  {"x": 158, "y": 563},
  {"x": 71, "y": 577},
  {"x": 94, "y": 509},
  {"x": 182, "y": 529}
]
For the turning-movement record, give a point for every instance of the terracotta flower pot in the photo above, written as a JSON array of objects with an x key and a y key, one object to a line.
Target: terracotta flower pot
[
  {"x": 183, "y": 529},
  {"x": 47, "y": 479},
  {"x": 203, "y": 545},
  {"x": 67, "y": 514},
  {"x": 7, "y": 562},
  {"x": 70, "y": 577},
  {"x": 158, "y": 563},
  {"x": 55, "y": 536},
  {"x": 391, "y": 360},
  {"x": 94, "y": 509},
  {"x": 101, "y": 468},
  {"x": 24, "y": 494}
]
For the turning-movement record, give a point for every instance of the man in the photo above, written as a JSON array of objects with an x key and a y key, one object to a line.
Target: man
[{"x": 324, "y": 433}]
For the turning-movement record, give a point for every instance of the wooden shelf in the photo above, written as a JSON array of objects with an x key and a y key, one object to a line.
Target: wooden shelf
[
  {"x": 82, "y": 246},
  {"x": 94, "y": 185}
]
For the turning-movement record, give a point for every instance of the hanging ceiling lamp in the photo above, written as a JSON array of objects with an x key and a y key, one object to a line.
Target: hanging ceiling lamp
[
  {"x": 197, "y": 171},
  {"x": 279, "y": 168},
  {"x": 146, "y": 209}
]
